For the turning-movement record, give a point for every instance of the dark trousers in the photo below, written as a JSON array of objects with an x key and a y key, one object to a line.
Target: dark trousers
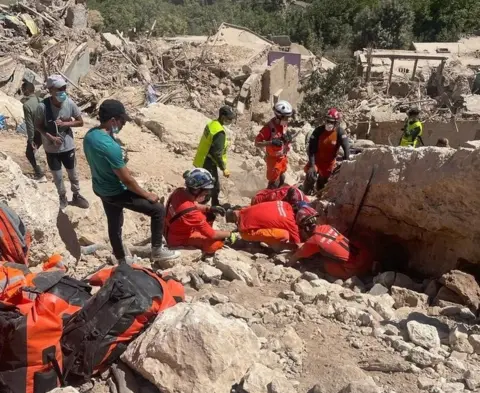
[
  {"x": 210, "y": 166},
  {"x": 114, "y": 206},
  {"x": 30, "y": 152}
]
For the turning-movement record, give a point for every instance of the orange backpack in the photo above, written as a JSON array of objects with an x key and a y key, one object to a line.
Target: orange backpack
[
  {"x": 14, "y": 238},
  {"x": 130, "y": 299}
]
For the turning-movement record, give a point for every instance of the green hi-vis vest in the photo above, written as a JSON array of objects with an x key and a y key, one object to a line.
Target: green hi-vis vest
[
  {"x": 212, "y": 128},
  {"x": 407, "y": 138}
]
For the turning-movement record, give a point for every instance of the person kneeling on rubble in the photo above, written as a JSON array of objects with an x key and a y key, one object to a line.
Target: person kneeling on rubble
[
  {"x": 290, "y": 194},
  {"x": 188, "y": 221},
  {"x": 328, "y": 249},
  {"x": 322, "y": 150},
  {"x": 272, "y": 223}
]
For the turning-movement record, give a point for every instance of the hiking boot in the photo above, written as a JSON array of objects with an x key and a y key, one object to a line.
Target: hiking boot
[
  {"x": 63, "y": 202},
  {"x": 80, "y": 201},
  {"x": 160, "y": 254}
]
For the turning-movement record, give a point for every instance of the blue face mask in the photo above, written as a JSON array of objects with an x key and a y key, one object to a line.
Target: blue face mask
[
  {"x": 61, "y": 96},
  {"x": 115, "y": 130}
]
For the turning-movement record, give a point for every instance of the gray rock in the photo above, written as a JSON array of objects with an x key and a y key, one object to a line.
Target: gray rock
[
  {"x": 472, "y": 379},
  {"x": 431, "y": 289},
  {"x": 455, "y": 365},
  {"x": 308, "y": 294},
  {"x": 425, "y": 383},
  {"x": 317, "y": 389},
  {"x": 424, "y": 335},
  {"x": 233, "y": 265},
  {"x": 208, "y": 273},
  {"x": 386, "y": 279},
  {"x": 354, "y": 283},
  {"x": 458, "y": 340},
  {"x": 474, "y": 341},
  {"x": 423, "y": 358},
  {"x": 259, "y": 378},
  {"x": 378, "y": 290},
  {"x": 452, "y": 387},
  {"x": 403, "y": 281},
  {"x": 287, "y": 295},
  {"x": 309, "y": 276},
  {"x": 391, "y": 330},
  {"x": 233, "y": 310},
  {"x": 361, "y": 387},
  {"x": 407, "y": 298},
  {"x": 68, "y": 389},
  {"x": 458, "y": 311}
]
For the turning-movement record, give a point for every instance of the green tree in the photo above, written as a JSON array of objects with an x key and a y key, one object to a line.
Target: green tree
[
  {"x": 387, "y": 25},
  {"x": 326, "y": 90}
]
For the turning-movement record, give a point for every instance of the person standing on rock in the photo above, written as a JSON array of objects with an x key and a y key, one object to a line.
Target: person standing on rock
[
  {"x": 412, "y": 130},
  {"x": 323, "y": 146},
  {"x": 34, "y": 139},
  {"x": 272, "y": 223},
  {"x": 55, "y": 117},
  {"x": 327, "y": 249},
  {"x": 274, "y": 138},
  {"x": 188, "y": 221},
  {"x": 115, "y": 185},
  {"x": 212, "y": 149}
]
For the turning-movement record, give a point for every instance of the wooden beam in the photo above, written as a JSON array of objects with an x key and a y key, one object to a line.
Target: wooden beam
[
  {"x": 369, "y": 65},
  {"x": 407, "y": 55},
  {"x": 414, "y": 69},
  {"x": 390, "y": 75}
]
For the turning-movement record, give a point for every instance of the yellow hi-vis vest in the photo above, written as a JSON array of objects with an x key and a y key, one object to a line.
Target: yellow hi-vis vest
[
  {"x": 407, "y": 137},
  {"x": 212, "y": 128}
]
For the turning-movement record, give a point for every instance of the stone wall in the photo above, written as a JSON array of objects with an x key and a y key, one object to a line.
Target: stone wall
[{"x": 386, "y": 132}]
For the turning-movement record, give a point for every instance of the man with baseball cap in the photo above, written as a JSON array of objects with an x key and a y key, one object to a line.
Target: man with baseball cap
[
  {"x": 115, "y": 185},
  {"x": 212, "y": 149},
  {"x": 54, "y": 119}
]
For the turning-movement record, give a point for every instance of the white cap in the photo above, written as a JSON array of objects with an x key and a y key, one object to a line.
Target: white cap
[{"x": 56, "y": 81}]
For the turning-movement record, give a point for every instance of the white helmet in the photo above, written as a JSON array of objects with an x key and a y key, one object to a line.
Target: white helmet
[{"x": 283, "y": 108}]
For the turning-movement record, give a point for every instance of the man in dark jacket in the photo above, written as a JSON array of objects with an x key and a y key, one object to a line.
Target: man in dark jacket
[
  {"x": 322, "y": 150},
  {"x": 34, "y": 139}
]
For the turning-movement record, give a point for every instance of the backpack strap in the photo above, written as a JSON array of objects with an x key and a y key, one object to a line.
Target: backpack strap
[{"x": 180, "y": 214}]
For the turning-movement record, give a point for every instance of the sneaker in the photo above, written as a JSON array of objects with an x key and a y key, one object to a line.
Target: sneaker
[
  {"x": 80, "y": 201},
  {"x": 128, "y": 260},
  {"x": 63, "y": 202},
  {"x": 41, "y": 178},
  {"x": 160, "y": 254}
]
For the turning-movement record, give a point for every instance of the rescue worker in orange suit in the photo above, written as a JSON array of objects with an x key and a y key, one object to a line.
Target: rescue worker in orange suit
[
  {"x": 290, "y": 194},
  {"x": 273, "y": 136},
  {"x": 328, "y": 249},
  {"x": 272, "y": 223},
  {"x": 323, "y": 147},
  {"x": 189, "y": 222}
]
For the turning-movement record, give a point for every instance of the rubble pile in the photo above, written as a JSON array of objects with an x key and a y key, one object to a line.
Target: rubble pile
[{"x": 59, "y": 37}]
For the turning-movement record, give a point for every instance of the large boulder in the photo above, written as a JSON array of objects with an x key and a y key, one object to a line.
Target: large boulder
[
  {"x": 37, "y": 209},
  {"x": 464, "y": 285},
  {"x": 178, "y": 127},
  {"x": 427, "y": 199},
  {"x": 192, "y": 348}
]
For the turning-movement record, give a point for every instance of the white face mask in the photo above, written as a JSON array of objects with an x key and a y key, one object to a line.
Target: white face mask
[{"x": 329, "y": 127}]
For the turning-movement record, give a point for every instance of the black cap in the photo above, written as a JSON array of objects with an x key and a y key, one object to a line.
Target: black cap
[
  {"x": 226, "y": 111},
  {"x": 112, "y": 109}
]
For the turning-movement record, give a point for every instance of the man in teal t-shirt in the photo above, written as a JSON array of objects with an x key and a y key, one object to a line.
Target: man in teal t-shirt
[{"x": 116, "y": 187}]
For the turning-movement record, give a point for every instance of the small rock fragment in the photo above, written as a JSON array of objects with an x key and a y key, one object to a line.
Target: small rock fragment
[
  {"x": 407, "y": 298},
  {"x": 378, "y": 290},
  {"x": 458, "y": 340}
]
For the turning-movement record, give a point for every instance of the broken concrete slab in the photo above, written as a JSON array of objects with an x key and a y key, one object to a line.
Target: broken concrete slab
[{"x": 77, "y": 17}]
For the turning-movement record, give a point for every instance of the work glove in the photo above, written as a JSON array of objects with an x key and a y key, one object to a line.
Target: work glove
[
  {"x": 277, "y": 142},
  {"x": 226, "y": 173},
  {"x": 218, "y": 210},
  {"x": 232, "y": 238}
]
